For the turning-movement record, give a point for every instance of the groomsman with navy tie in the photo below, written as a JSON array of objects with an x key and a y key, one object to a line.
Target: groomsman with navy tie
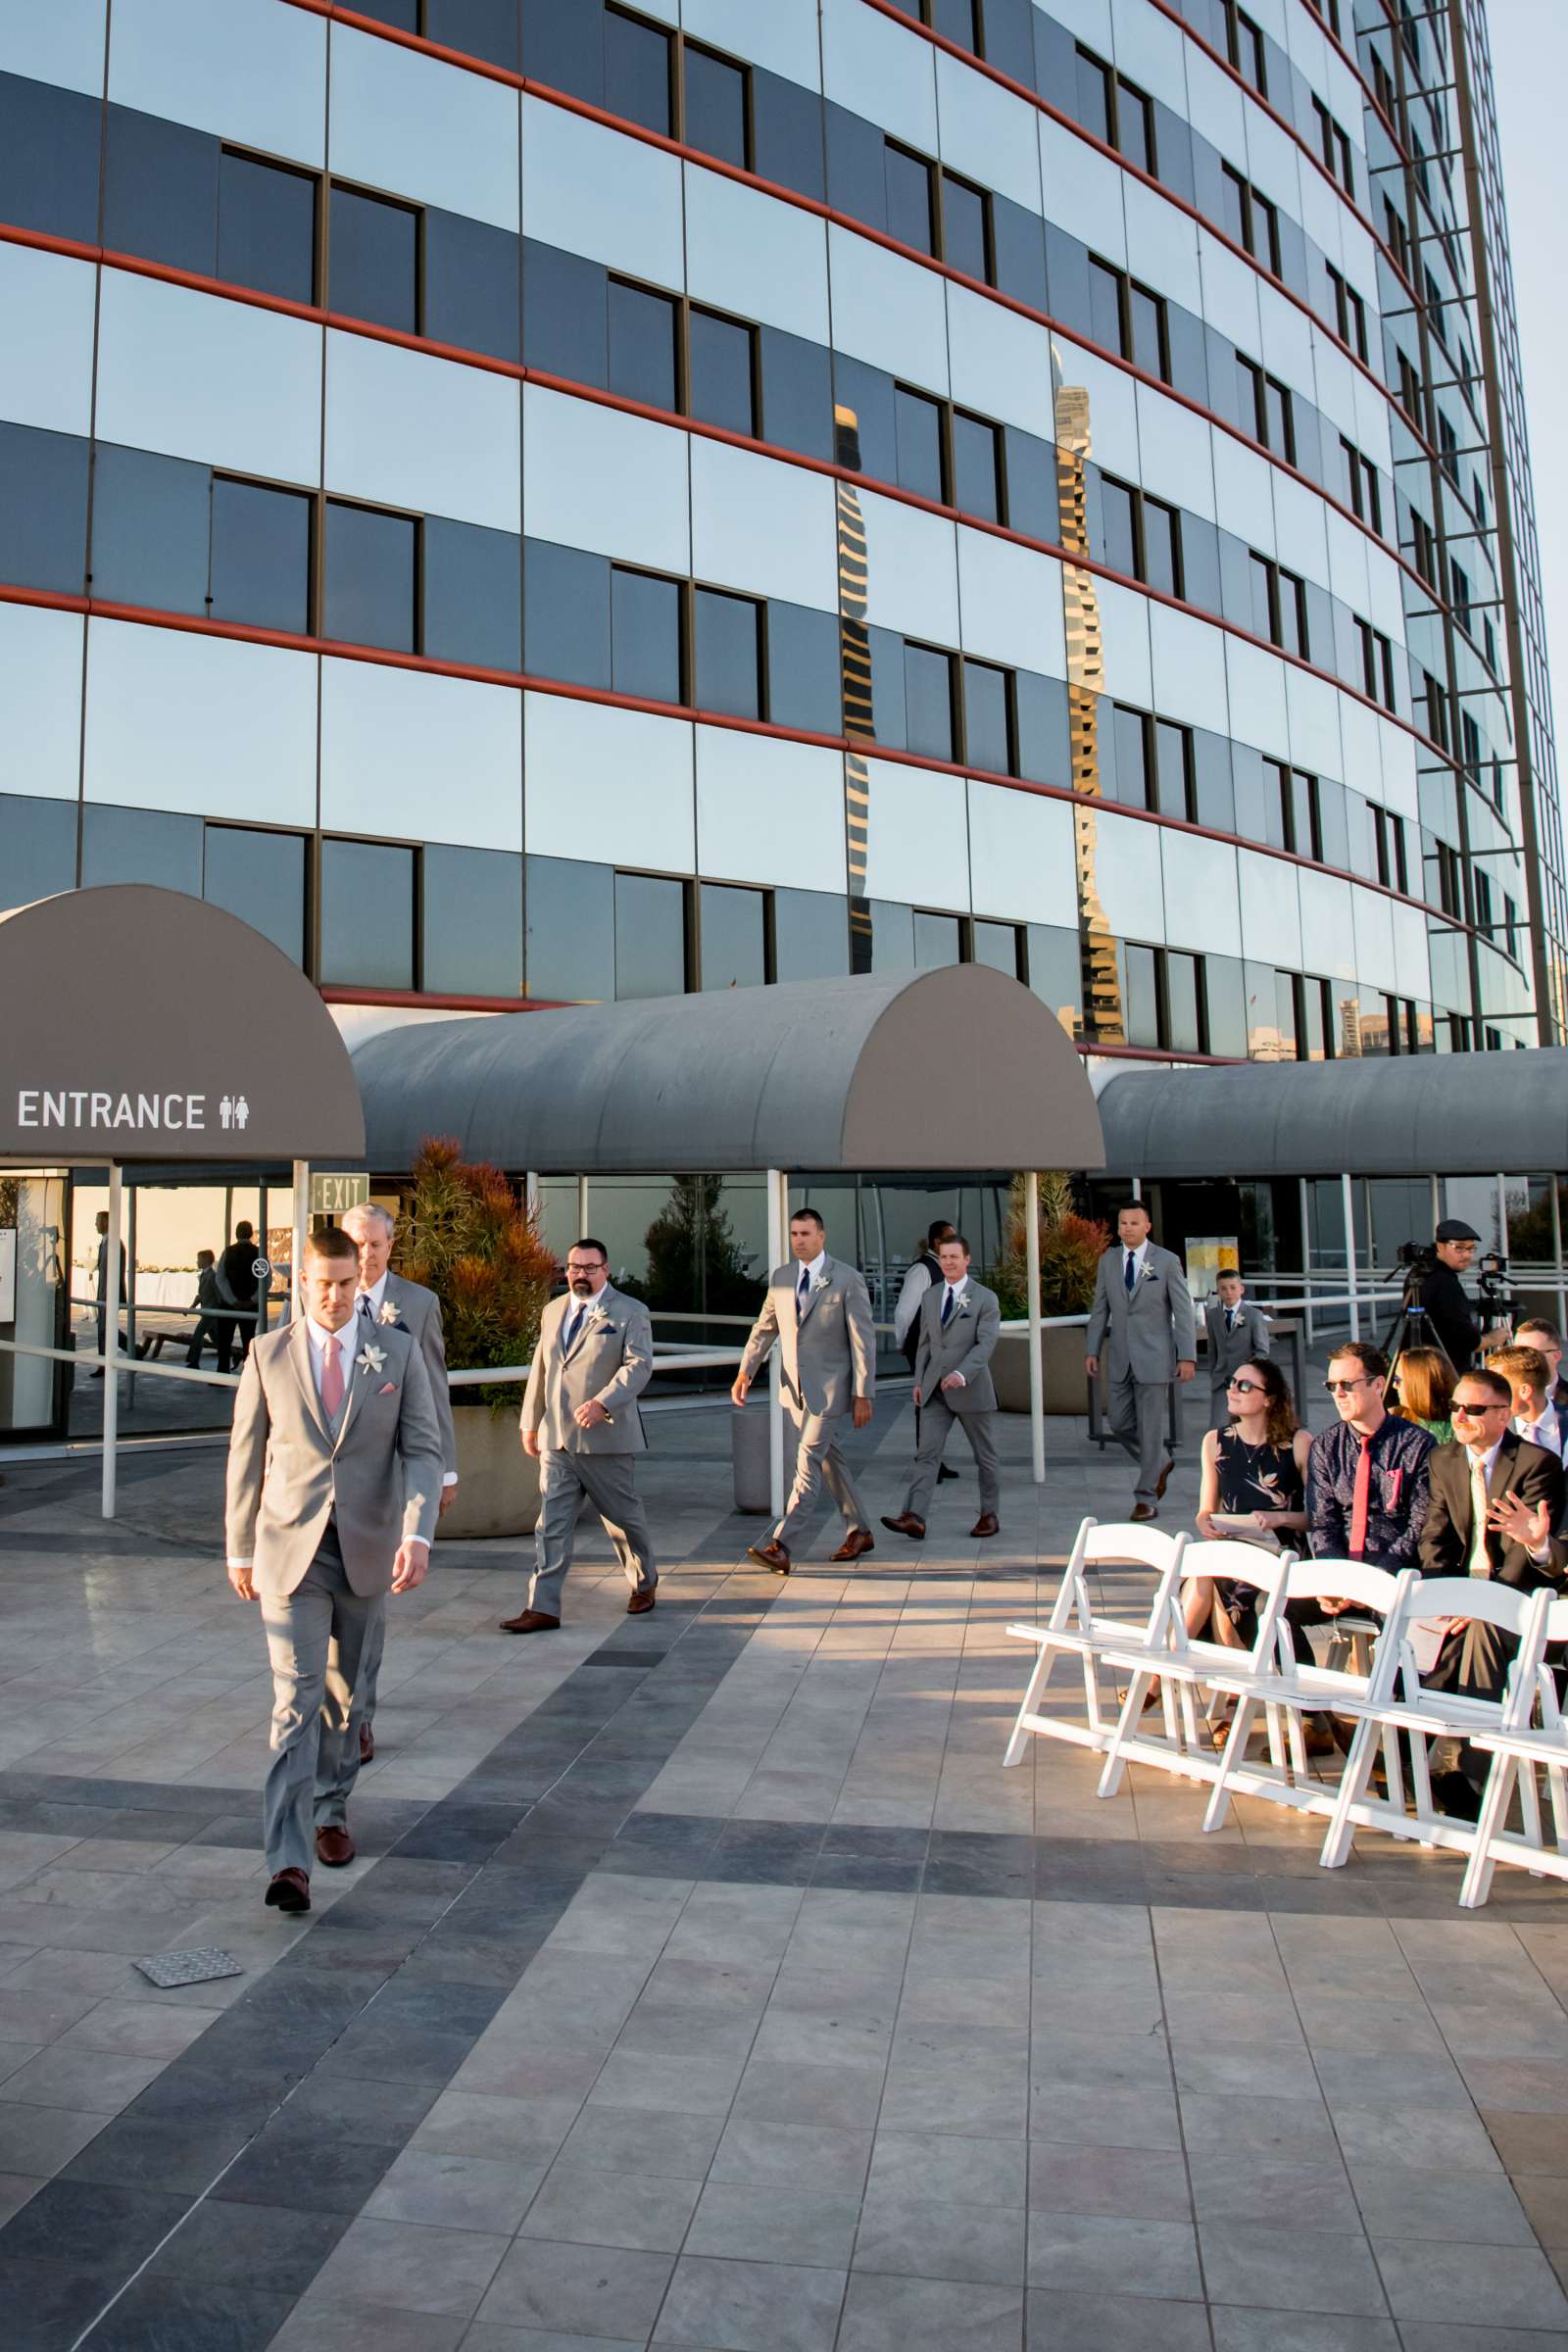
[
  {"x": 1143, "y": 1319},
  {"x": 959, "y": 1324}
]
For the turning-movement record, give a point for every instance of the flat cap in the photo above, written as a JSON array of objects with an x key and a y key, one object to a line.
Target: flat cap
[{"x": 1454, "y": 1229}]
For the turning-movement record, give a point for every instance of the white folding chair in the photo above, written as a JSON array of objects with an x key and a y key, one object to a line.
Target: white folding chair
[
  {"x": 1189, "y": 1665},
  {"x": 1398, "y": 1702},
  {"x": 1076, "y": 1630},
  {"x": 1295, "y": 1688},
  {"x": 1518, "y": 1748}
]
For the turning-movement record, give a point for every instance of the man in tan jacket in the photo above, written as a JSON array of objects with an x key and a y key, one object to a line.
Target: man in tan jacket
[
  {"x": 321, "y": 1526},
  {"x": 580, "y": 1422}
]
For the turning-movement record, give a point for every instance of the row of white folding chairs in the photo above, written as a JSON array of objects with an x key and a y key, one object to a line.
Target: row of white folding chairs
[{"x": 1383, "y": 1701}]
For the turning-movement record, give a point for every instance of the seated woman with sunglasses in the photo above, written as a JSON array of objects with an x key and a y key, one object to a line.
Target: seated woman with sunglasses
[{"x": 1253, "y": 1491}]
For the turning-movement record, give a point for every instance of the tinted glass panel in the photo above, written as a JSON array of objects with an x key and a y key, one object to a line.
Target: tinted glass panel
[
  {"x": 261, "y": 556},
  {"x": 566, "y": 613},
  {"x": 892, "y": 931},
  {"x": 1233, "y": 212},
  {"x": 471, "y": 284},
  {"x": 1105, "y": 306},
  {"x": 472, "y": 595},
  {"x": 721, "y": 388},
  {"x": 928, "y": 701},
  {"x": 149, "y": 530},
  {"x": 1132, "y": 759},
  {"x": 938, "y": 941},
  {"x": 1277, "y": 411},
  {"x": 1181, "y": 999},
  {"x": 1263, "y": 614},
  {"x": 963, "y": 227},
  {"x": 650, "y": 936},
  {"x": 955, "y": 20},
  {"x": 869, "y": 443},
  {"x": 645, "y": 636},
  {"x": 1225, "y": 997},
  {"x": 367, "y": 914},
  {"x": 267, "y": 227},
  {"x": 142, "y": 845},
  {"x": 471, "y": 910},
  {"x": 974, "y": 466},
  {"x": 564, "y": 47},
  {"x": 715, "y": 106},
  {"x": 802, "y": 669},
  {"x": 908, "y": 186},
  {"x": 404, "y": 15},
  {"x": 1132, "y": 128},
  {"x": 571, "y": 931},
  {"x": 797, "y": 393},
  {"x": 1170, "y": 767},
  {"x": 987, "y": 742},
  {"x": 1159, "y": 546},
  {"x": 1293, "y": 616},
  {"x": 733, "y": 936},
  {"x": 40, "y": 860},
  {"x": 1140, "y": 996},
  {"x": 728, "y": 655},
  {"x": 1090, "y": 101},
  {"x": 856, "y": 166},
  {"x": 565, "y": 314},
  {"x": 919, "y": 425},
  {"x": 1122, "y": 546},
  {"x": 787, "y": 133},
  {"x": 368, "y": 584},
  {"x": 1042, "y": 719},
  {"x": 160, "y": 190},
  {"x": 636, "y": 71},
  {"x": 373, "y": 260},
  {"x": 811, "y": 935},
  {"x": 43, "y": 509},
  {"x": 261, "y": 878},
  {"x": 1056, "y": 972},
  {"x": 642, "y": 345},
  {"x": 996, "y": 944},
  {"x": 1144, "y": 312},
  {"x": 485, "y": 29},
  {"x": 49, "y": 142}
]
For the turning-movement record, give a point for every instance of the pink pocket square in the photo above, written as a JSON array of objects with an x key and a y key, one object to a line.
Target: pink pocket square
[{"x": 389, "y": 1388}]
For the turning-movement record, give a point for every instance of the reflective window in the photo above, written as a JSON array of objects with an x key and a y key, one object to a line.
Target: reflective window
[
  {"x": 1130, "y": 730},
  {"x": 1161, "y": 546},
  {"x": 373, "y": 269},
  {"x": 866, "y": 434},
  {"x": 811, "y": 935},
  {"x": 721, "y": 376},
  {"x": 1184, "y": 1032},
  {"x": 1056, "y": 974},
  {"x": 564, "y": 48},
  {"x": 892, "y": 930},
  {"x": 928, "y": 701},
  {"x": 650, "y": 949},
  {"x": 563, "y": 314},
  {"x": 471, "y": 284},
  {"x": 368, "y": 577},
  {"x": 49, "y": 142},
  {"x": 910, "y": 208},
  {"x": 1104, "y": 304},
  {"x": 734, "y": 937},
  {"x": 566, "y": 613},
  {"x": 715, "y": 106},
  {"x": 261, "y": 555},
  {"x": 142, "y": 845},
  {"x": 642, "y": 345},
  {"x": 1214, "y": 791},
  {"x": 367, "y": 914},
  {"x": 571, "y": 931},
  {"x": 267, "y": 226},
  {"x": 804, "y": 655},
  {"x": 160, "y": 190},
  {"x": 938, "y": 941},
  {"x": 637, "y": 62},
  {"x": 787, "y": 133},
  {"x": 1261, "y": 573},
  {"x": 40, "y": 860},
  {"x": 472, "y": 595},
  {"x": 486, "y": 28},
  {"x": 988, "y": 740},
  {"x": 1041, "y": 711},
  {"x": 259, "y": 877},
  {"x": 996, "y": 944},
  {"x": 1172, "y": 765},
  {"x": 1316, "y": 1038},
  {"x": 1235, "y": 215},
  {"x": 645, "y": 636},
  {"x": 149, "y": 530},
  {"x": 1146, "y": 314},
  {"x": 728, "y": 654},
  {"x": 43, "y": 509},
  {"x": 976, "y": 471},
  {"x": 470, "y": 913},
  {"x": 956, "y": 20},
  {"x": 797, "y": 393},
  {"x": 1225, "y": 1006},
  {"x": 965, "y": 238},
  {"x": 1134, "y": 127},
  {"x": 1139, "y": 996},
  {"x": 1091, "y": 97},
  {"x": 917, "y": 422},
  {"x": 1121, "y": 539}
]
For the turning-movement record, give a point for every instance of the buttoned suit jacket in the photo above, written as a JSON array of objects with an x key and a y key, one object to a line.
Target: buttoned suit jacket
[
  {"x": 378, "y": 1477},
  {"x": 827, "y": 1356},
  {"x": 1150, "y": 1333},
  {"x": 964, "y": 1345},
  {"x": 1528, "y": 1471},
  {"x": 418, "y": 1311},
  {"x": 1228, "y": 1351},
  {"x": 611, "y": 1361}
]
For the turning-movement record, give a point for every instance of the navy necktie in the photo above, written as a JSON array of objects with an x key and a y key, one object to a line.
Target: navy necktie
[
  {"x": 802, "y": 1292},
  {"x": 572, "y": 1328},
  {"x": 1131, "y": 1272},
  {"x": 1230, "y": 1318},
  {"x": 947, "y": 1305}
]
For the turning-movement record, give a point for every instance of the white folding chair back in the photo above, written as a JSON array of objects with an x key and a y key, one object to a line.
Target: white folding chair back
[
  {"x": 1532, "y": 1738},
  {"x": 1077, "y": 1629}
]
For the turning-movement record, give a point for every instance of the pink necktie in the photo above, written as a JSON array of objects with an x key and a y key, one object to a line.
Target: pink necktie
[
  {"x": 1361, "y": 1500},
  {"x": 331, "y": 1381}
]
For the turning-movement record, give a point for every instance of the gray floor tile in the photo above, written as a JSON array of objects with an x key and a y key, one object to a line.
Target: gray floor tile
[
  {"x": 959, "y": 2169},
  {"x": 347, "y": 2327},
  {"x": 751, "y": 2307},
  {"x": 1108, "y": 2119},
  {"x": 1491, "y": 2286},
  {"x": 444, "y": 2272},
  {"x": 642, "y": 2139},
  {"x": 929, "y": 2315},
  {"x": 581, "y": 2290},
  {"x": 1103, "y": 2323},
  {"x": 1290, "y": 2269},
  {"x": 1271, "y": 2190},
  {"x": 1079, "y": 2251},
  {"x": 643, "y": 2210},
  {"x": 750, "y": 2222},
  {"x": 43, "y": 2139},
  {"x": 921, "y": 2238},
  {"x": 446, "y": 2190},
  {"x": 685, "y": 2085},
  {"x": 1147, "y": 2185},
  {"x": 1237, "y": 2331},
  {"x": 465, "y": 2122},
  {"x": 843, "y": 2099},
  {"x": 1418, "y": 2138},
  {"x": 93, "y": 2082},
  {"x": 1398, "y": 2202}
]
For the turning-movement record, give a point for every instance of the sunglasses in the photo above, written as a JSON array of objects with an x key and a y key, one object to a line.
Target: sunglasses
[
  {"x": 1477, "y": 1413},
  {"x": 1343, "y": 1388},
  {"x": 1248, "y": 1388}
]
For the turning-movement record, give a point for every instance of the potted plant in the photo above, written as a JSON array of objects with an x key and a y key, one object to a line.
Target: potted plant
[
  {"x": 1070, "y": 1248},
  {"x": 466, "y": 1236}
]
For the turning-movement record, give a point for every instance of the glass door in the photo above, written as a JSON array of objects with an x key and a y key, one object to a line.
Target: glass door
[{"x": 35, "y": 1309}]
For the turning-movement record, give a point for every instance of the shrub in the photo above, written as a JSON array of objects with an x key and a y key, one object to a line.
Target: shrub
[
  {"x": 1070, "y": 1250},
  {"x": 466, "y": 1236}
]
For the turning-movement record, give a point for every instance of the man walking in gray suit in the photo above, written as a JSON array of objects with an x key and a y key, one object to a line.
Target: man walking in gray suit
[
  {"x": 819, "y": 1312},
  {"x": 959, "y": 1323},
  {"x": 1141, "y": 1319},
  {"x": 1237, "y": 1333},
  {"x": 334, "y": 1470},
  {"x": 388, "y": 1301},
  {"x": 580, "y": 1422}
]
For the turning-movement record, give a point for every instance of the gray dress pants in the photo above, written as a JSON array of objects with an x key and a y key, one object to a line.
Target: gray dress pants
[
  {"x": 818, "y": 1463},
  {"x": 609, "y": 1482},
  {"x": 316, "y": 1637},
  {"x": 936, "y": 1424},
  {"x": 1138, "y": 1422}
]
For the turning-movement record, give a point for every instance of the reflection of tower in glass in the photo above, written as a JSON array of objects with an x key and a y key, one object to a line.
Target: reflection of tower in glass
[
  {"x": 855, "y": 670},
  {"x": 1103, "y": 1022}
]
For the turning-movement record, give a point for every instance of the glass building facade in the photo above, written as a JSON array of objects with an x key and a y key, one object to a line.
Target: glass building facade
[{"x": 542, "y": 499}]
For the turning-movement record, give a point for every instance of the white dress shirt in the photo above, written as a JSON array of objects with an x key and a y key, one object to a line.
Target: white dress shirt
[
  {"x": 1546, "y": 1431},
  {"x": 1486, "y": 1463},
  {"x": 913, "y": 1288}
]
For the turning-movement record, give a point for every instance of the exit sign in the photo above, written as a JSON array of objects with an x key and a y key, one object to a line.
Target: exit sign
[{"x": 335, "y": 1195}]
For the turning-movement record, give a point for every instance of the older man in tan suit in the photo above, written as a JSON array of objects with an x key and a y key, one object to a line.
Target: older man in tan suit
[
  {"x": 819, "y": 1312},
  {"x": 580, "y": 1422},
  {"x": 335, "y": 1481}
]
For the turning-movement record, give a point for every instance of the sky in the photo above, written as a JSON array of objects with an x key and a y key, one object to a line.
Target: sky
[{"x": 1530, "y": 68}]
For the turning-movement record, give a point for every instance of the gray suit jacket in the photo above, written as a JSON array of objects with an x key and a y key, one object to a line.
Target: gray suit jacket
[
  {"x": 419, "y": 1310},
  {"x": 966, "y": 1346},
  {"x": 1149, "y": 1334},
  {"x": 379, "y": 1477},
  {"x": 1228, "y": 1351},
  {"x": 612, "y": 1360},
  {"x": 827, "y": 1356}
]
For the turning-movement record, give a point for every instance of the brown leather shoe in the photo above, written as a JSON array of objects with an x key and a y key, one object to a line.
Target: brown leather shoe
[
  {"x": 334, "y": 1847},
  {"x": 290, "y": 1890},
  {"x": 770, "y": 1554},
  {"x": 641, "y": 1603},
  {"x": 530, "y": 1621},
  {"x": 1163, "y": 1480},
  {"x": 857, "y": 1540},
  {"x": 986, "y": 1525},
  {"x": 366, "y": 1743},
  {"x": 907, "y": 1524},
  {"x": 1141, "y": 1511}
]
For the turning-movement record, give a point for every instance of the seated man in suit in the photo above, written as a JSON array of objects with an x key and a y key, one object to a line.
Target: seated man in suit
[
  {"x": 959, "y": 1324},
  {"x": 1237, "y": 1333}
]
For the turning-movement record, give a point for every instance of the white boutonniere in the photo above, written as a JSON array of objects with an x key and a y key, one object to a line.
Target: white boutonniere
[
  {"x": 389, "y": 1312},
  {"x": 370, "y": 1359},
  {"x": 821, "y": 1283}
]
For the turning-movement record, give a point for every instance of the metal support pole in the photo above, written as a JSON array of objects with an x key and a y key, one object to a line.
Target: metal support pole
[
  {"x": 1556, "y": 1253},
  {"x": 777, "y": 1238},
  {"x": 1037, "y": 1384},
  {"x": 1307, "y": 1257},
  {"x": 302, "y": 1226},
  {"x": 1138, "y": 1188},
  {"x": 1502, "y": 1214},
  {"x": 582, "y": 1207},
  {"x": 1437, "y": 1206},
  {"x": 1347, "y": 1195},
  {"x": 111, "y": 1295}
]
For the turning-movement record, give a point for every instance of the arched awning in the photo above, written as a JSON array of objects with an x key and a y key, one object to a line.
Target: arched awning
[
  {"x": 138, "y": 1024},
  {"x": 1429, "y": 1115},
  {"x": 960, "y": 1069}
]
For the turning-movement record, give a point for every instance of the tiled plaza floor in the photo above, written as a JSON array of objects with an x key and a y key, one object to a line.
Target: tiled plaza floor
[{"x": 705, "y": 1983}]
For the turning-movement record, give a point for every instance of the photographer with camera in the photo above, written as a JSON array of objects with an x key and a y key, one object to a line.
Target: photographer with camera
[{"x": 1442, "y": 1297}]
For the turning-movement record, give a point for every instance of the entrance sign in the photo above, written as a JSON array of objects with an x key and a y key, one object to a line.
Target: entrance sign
[{"x": 334, "y": 1195}]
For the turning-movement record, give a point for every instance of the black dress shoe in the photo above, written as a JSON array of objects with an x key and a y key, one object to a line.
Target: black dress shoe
[
  {"x": 945, "y": 1473},
  {"x": 1456, "y": 1796}
]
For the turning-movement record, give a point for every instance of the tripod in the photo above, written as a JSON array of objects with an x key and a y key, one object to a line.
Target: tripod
[{"x": 1412, "y": 1327}]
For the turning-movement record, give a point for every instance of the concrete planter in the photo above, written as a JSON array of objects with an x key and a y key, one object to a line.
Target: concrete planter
[
  {"x": 1062, "y": 1356},
  {"x": 498, "y": 1486}
]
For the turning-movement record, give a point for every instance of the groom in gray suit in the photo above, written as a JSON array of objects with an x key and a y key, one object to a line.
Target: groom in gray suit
[
  {"x": 819, "y": 1312},
  {"x": 580, "y": 1422},
  {"x": 334, "y": 1471},
  {"x": 960, "y": 1321},
  {"x": 1143, "y": 1320}
]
